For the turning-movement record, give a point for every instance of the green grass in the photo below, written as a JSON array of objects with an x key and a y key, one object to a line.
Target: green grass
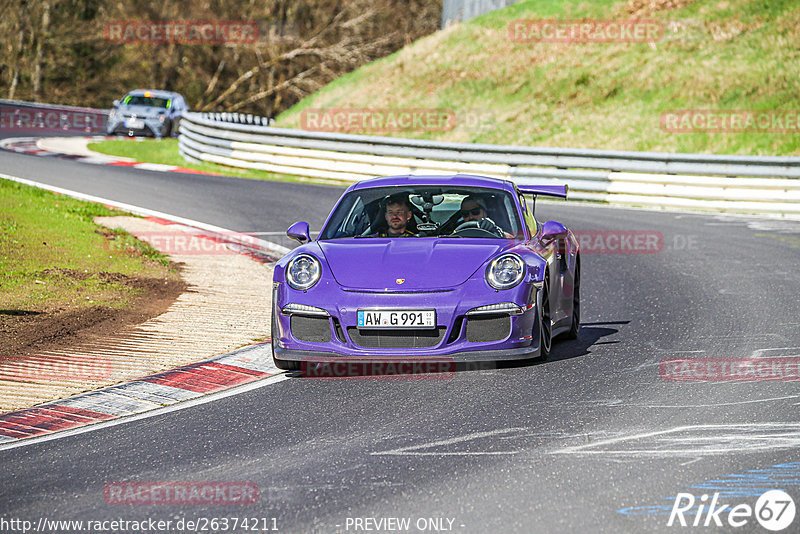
[
  {"x": 165, "y": 151},
  {"x": 729, "y": 55},
  {"x": 54, "y": 257}
]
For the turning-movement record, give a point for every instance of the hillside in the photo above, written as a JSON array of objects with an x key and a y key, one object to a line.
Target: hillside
[{"x": 711, "y": 55}]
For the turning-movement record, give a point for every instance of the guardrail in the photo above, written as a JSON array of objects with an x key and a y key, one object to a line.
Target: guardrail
[
  {"x": 462, "y": 10},
  {"x": 33, "y": 117},
  {"x": 713, "y": 182}
]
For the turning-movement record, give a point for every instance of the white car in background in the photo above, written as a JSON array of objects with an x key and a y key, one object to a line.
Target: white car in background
[{"x": 147, "y": 112}]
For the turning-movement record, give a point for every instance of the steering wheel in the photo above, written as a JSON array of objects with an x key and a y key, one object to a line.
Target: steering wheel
[{"x": 474, "y": 229}]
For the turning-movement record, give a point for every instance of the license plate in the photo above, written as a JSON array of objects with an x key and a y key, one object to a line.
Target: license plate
[
  {"x": 396, "y": 319},
  {"x": 134, "y": 123}
]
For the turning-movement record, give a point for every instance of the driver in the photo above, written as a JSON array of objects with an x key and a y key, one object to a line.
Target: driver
[
  {"x": 473, "y": 209},
  {"x": 398, "y": 213}
]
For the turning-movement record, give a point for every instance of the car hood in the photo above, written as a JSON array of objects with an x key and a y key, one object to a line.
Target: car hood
[
  {"x": 421, "y": 263},
  {"x": 142, "y": 111}
]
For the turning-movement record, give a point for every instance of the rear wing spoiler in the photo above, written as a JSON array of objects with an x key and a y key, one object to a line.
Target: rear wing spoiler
[{"x": 547, "y": 190}]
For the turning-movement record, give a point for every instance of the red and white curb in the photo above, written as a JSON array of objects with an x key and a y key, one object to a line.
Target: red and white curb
[
  {"x": 32, "y": 146},
  {"x": 179, "y": 388},
  {"x": 237, "y": 242},
  {"x": 146, "y": 394},
  {"x": 24, "y": 145}
]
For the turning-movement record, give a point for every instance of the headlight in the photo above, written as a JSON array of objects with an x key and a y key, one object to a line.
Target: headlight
[
  {"x": 505, "y": 271},
  {"x": 303, "y": 272}
]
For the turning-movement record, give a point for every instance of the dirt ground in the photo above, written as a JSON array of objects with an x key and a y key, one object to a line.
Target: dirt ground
[
  {"x": 221, "y": 302},
  {"x": 25, "y": 333}
]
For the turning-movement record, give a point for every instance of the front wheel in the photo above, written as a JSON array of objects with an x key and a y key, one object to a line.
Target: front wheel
[{"x": 576, "y": 304}]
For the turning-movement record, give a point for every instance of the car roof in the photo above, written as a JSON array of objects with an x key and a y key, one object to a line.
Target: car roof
[
  {"x": 154, "y": 92},
  {"x": 453, "y": 180}
]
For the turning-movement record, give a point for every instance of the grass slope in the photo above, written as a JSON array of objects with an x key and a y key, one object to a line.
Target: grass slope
[{"x": 714, "y": 55}]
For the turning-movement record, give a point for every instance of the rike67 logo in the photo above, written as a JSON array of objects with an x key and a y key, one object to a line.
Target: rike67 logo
[{"x": 774, "y": 510}]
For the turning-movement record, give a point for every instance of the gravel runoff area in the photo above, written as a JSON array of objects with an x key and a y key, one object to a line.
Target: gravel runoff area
[{"x": 226, "y": 306}]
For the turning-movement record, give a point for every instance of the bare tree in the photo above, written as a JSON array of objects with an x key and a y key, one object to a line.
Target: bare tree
[
  {"x": 40, "y": 37},
  {"x": 55, "y": 50}
]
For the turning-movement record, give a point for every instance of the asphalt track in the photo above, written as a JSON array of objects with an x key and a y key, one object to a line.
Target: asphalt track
[{"x": 593, "y": 440}]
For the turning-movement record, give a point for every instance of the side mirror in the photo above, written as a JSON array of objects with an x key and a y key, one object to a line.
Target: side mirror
[
  {"x": 115, "y": 103},
  {"x": 553, "y": 230},
  {"x": 299, "y": 232}
]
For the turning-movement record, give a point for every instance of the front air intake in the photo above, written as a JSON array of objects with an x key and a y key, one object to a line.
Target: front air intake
[
  {"x": 486, "y": 328},
  {"x": 311, "y": 329},
  {"x": 396, "y": 339}
]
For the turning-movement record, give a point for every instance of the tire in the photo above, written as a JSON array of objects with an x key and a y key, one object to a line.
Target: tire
[
  {"x": 576, "y": 304},
  {"x": 545, "y": 321},
  {"x": 286, "y": 365}
]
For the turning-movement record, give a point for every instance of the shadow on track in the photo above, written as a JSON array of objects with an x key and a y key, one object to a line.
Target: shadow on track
[
  {"x": 326, "y": 367},
  {"x": 563, "y": 349}
]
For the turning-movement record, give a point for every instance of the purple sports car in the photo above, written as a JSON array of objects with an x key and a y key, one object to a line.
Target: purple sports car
[{"x": 420, "y": 267}]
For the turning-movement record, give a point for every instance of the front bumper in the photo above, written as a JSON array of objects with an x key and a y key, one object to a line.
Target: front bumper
[
  {"x": 460, "y": 336},
  {"x": 471, "y": 356},
  {"x": 147, "y": 127}
]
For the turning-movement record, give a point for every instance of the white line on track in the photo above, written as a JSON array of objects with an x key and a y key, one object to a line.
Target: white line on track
[
  {"x": 145, "y": 212},
  {"x": 413, "y": 450},
  {"x": 718, "y": 439}
]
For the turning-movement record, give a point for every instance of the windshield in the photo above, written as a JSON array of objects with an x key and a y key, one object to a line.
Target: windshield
[
  {"x": 141, "y": 100},
  {"x": 424, "y": 211}
]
